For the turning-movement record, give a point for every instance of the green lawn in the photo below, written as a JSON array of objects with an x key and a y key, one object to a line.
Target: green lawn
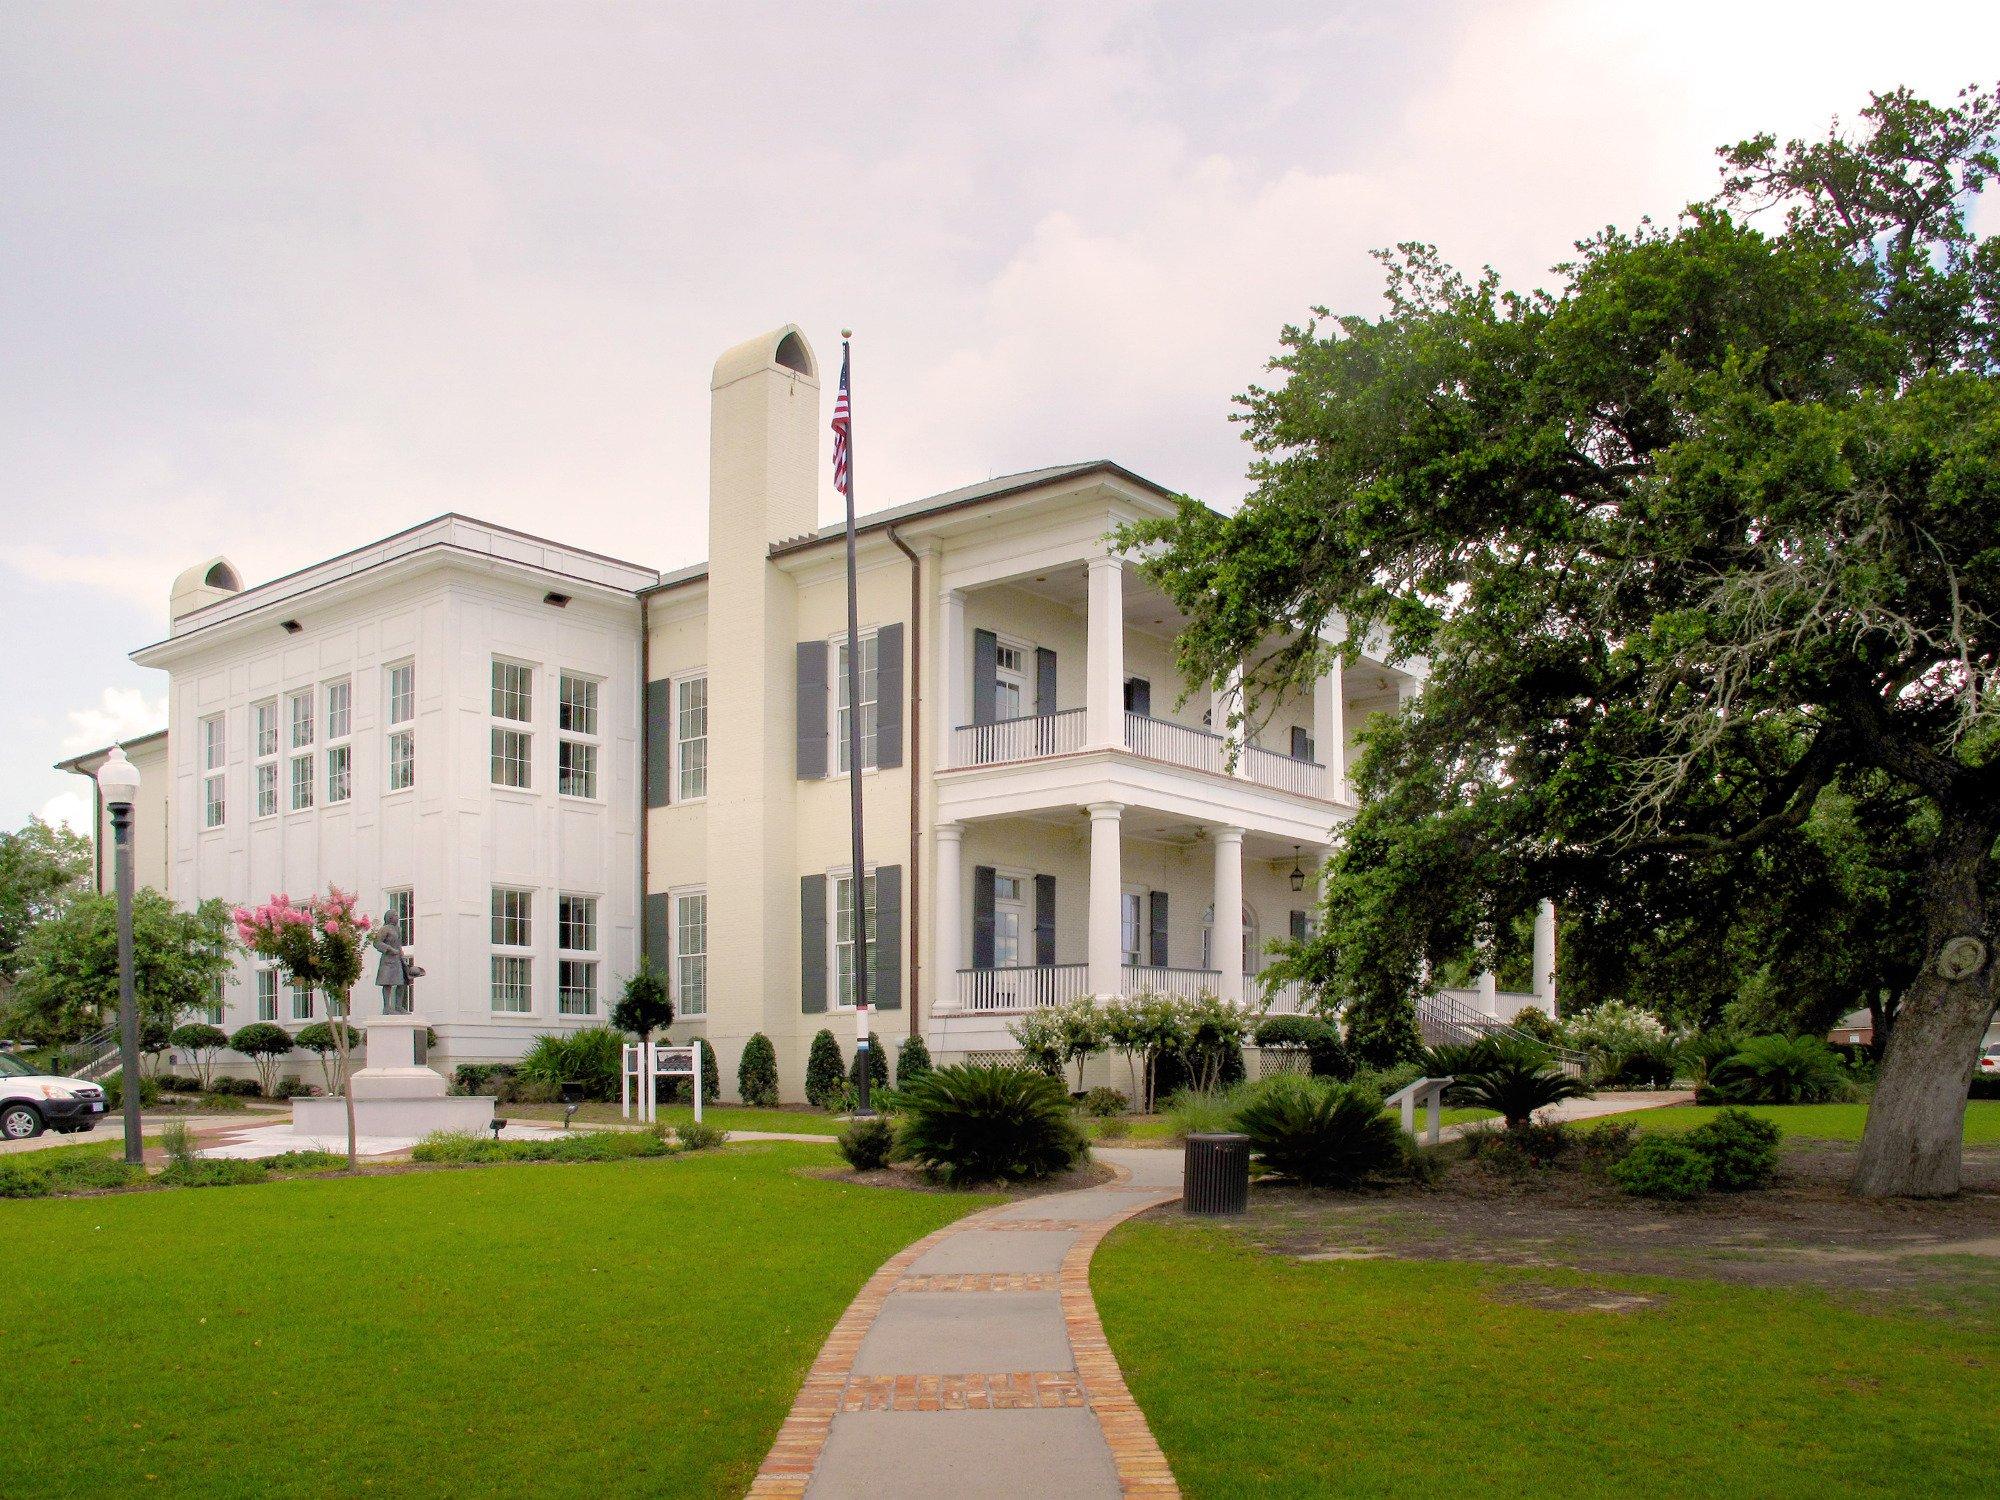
[
  {"x": 1811, "y": 1122},
  {"x": 728, "y": 1116},
  {"x": 1268, "y": 1376},
  {"x": 634, "y": 1327}
]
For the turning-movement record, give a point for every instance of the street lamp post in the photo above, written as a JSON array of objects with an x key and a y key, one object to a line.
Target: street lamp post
[{"x": 118, "y": 780}]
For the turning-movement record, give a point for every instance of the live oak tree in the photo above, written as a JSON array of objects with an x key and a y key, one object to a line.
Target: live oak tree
[
  {"x": 1702, "y": 549},
  {"x": 43, "y": 867},
  {"x": 68, "y": 982}
]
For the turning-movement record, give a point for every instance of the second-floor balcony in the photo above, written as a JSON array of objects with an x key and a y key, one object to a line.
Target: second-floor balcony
[
  {"x": 1037, "y": 736},
  {"x": 1015, "y": 989}
]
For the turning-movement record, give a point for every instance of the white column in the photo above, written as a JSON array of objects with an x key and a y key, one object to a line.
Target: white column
[
  {"x": 947, "y": 919},
  {"x": 1105, "y": 697},
  {"x": 1330, "y": 730},
  {"x": 1489, "y": 993},
  {"x": 1226, "y": 944},
  {"x": 954, "y": 672},
  {"x": 1545, "y": 956},
  {"x": 1107, "y": 884}
]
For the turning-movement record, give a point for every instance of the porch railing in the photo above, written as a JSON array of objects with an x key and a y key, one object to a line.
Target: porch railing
[
  {"x": 1284, "y": 772},
  {"x": 1176, "y": 744},
  {"x": 1154, "y": 979},
  {"x": 1028, "y": 987},
  {"x": 1028, "y": 738},
  {"x": 1281, "y": 999}
]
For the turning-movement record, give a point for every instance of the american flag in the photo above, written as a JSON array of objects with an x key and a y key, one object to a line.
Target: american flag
[{"x": 842, "y": 424}]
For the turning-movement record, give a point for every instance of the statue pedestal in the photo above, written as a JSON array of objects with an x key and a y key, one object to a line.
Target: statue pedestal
[{"x": 396, "y": 1094}]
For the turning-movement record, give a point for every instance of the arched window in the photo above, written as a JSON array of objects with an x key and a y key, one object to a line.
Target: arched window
[{"x": 1253, "y": 951}]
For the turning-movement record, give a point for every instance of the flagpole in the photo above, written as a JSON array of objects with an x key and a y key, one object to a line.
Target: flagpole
[{"x": 859, "y": 877}]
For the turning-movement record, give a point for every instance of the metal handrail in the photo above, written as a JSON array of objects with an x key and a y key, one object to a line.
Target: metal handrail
[{"x": 1443, "y": 1021}]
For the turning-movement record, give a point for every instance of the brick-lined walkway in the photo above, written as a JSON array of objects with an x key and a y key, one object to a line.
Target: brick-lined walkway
[{"x": 974, "y": 1363}]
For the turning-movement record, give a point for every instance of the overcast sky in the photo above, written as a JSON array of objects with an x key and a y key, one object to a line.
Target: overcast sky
[{"x": 276, "y": 280}]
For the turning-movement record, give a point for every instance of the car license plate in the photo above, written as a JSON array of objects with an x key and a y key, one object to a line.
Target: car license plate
[{"x": 97, "y": 1108}]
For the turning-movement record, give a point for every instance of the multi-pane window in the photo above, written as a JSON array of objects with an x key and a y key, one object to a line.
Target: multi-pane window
[
  {"x": 214, "y": 1006},
  {"x": 513, "y": 750},
  {"x": 400, "y": 906},
  {"x": 513, "y": 691},
  {"x": 843, "y": 933},
  {"x": 402, "y": 757},
  {"x": 513, "y": 754},
  {"x": 264, "y": 755},
  {"x": 868, "y": 710},
  {"x": 302, "y": 1003},
  {"x": 1009, "y": 918},
  {"x": 576, "y": 959},
  {"x": 302, "y": 782},
  {"x": 690, "y": 975},
  {"x": 576, "y": 749},
  {"x": 302, "y": 719},
  {"x": 267, "y": 994},
  {"x": 513, "y": 928},
  {"x": 339, "y": 754},
  {"x": 1010, "y": 681},
  {"x": 214, "y": 752},
  {"x": 691, "y": 738}
]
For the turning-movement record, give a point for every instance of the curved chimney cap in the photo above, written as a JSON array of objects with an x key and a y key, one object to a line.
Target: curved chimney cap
[
  {"x": 782, "y": 349},
  {"x": 203, "y": 584}
]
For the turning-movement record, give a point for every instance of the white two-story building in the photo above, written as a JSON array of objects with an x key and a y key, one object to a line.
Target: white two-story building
[{"x": 550, "y": 762}]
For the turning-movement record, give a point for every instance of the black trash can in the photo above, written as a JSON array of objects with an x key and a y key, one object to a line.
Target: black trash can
[{"x": 1217, "y": 1176}]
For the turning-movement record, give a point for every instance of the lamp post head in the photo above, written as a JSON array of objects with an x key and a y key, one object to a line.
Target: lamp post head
[{"x": 118, "y": 778}]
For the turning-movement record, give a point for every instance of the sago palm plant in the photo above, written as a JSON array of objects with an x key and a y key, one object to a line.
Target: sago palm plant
[{"x": 1516, "y": 1082}]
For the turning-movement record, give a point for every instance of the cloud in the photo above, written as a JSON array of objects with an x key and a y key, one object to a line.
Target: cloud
[
  {"x": 68, "y": 809},
  {"x": 119, "y": 714}
]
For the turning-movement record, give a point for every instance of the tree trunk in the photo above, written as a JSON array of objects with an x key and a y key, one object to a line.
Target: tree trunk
[
  {"x": 346, "y": 1092},
  {"x": 1916, "y": 1122}
]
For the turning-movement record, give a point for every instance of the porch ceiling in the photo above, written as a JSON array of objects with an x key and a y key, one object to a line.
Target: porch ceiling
[
  {"x": 1068, "y": 584},
  {"x": 1151, "y": 826}
]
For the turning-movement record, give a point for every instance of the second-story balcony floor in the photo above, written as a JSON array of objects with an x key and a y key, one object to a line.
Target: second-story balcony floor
[{"x": 1066, "y": 732}]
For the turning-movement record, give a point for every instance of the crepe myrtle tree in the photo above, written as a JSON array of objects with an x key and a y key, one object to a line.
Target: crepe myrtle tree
[
  {"x": 1700, "y": 538},
  {"x": 317, "y": 945}
]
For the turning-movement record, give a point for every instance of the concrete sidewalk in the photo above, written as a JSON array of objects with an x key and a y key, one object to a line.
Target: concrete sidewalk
[
  {"x": 974, "y": 1364},
  {"x": 1572, "y": 1110}
]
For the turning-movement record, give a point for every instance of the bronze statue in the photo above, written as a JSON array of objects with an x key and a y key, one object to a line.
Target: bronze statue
[{"x": 395, "y": 971}]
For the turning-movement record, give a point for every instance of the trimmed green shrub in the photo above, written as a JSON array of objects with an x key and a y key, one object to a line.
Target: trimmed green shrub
[
  {"x": 1517, "y": 1081},
  {"x": 866, "y": 1143},
  {"x": 913, "y": 1060},
  {"x": 479, "y": 1078},
  {"x": 757, "y": 1072},
  {"x": 291, "y": 1088},
  {"x": 593, "y": 1057},
  {"x": 265, "y": 1043},
  {"x": 1779, "y": 1070},
  {"x": 1326, "y": 1052},
  {"x": 1606, "y": 1141},
  {"x": 453, "y": 1147},
  {"x": 644, "y": 1006},
  {"x": 242, "y": 1088},
  {"x": 975, "y": 1123},
  {"x": 1318, "y": 1134},
  {"x": 1661, "y": 1166},
  {"x": 1533, "y": 1021},
  {"x": 1103, "y": 1102},
  {"x": 200, "y": 1041},
  {"x": 826, "y": 1072},
  {"x": 1742, "y": 1150},
  {"x": 878, "y": 1067},
  {"x": 700, "y": 1136},
  {"x": 322, "y": 1039}
]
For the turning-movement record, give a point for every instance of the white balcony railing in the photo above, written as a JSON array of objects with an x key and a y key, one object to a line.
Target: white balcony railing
[
  {"x": 1018, "y": 739},
  {"x": 1286, "y": 773},
  {"x": 1029, "y": 987},
  {"x": 1176, "y": 744},
  {"x": 1281, "y": 999},
  {"x": 1153, "y": 979}
]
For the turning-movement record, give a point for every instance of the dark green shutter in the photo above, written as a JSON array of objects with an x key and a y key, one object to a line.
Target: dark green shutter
[
  {"x": 982, "y": 916},
  {"x": 812, "y": 711},
  {"x": 889, "y": 696},
  {"x": 655, "y": 943},
  {"x": 1045, "y": 681},
  {"x": 1156, "y": 922},
  {"x": 1045, "y": 919},
  {"x": 812, "y": 943},
  {"x": 659, "y": 743},
  {"x": 985, "y": 675},
  {"x": 886, "y": 963},
  {"x": 1301, "y": 926},
  {"x": 1301, "y": 745},
  {"x": 1139, "y": 697}
]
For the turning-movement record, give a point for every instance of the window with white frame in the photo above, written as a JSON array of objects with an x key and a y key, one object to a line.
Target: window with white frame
[
  {"x": 1010, "y": 680},
  {"x": 576, "y": 955},
  {"x": 399, "y": 905},
  {"x": 339, "y": 754},
  {"x": 576, "y": 742},
  {"x": 302, "y": 782},
  {"x": 513, "y": 703},
  {"x": 843, "y": 933},
  {"x": 1010, "y": 916},
  {"x": 691, "y": 738},
  {"x": 513, "y": 935},
  {"x": 215, "y": 1000},
  {"x": 300, "y": 707},
  {"x": 402, "y": 746},
  {"x": 264, "y": 756},
  {"x": 214, "y": 754},
  {"x": 690, "y": 974},
  {"x": 302, "y": 719},
  {"x": 1132, "y": 927},
  {"x": 868, "y": 706},
  {"x": 302, "y": 1003},
  {"x": 267, "y": 994}
]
